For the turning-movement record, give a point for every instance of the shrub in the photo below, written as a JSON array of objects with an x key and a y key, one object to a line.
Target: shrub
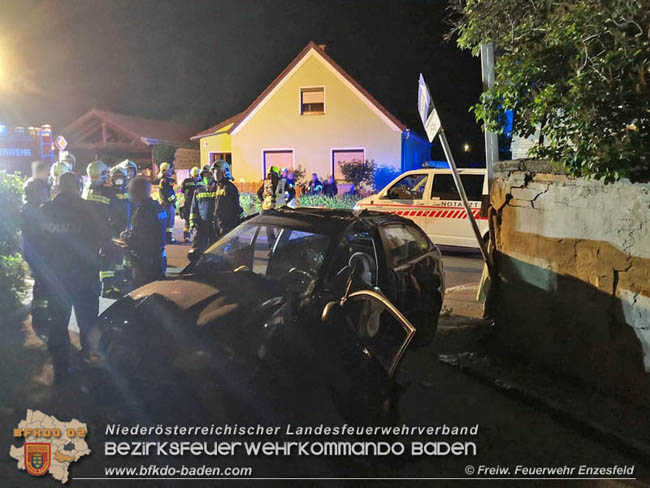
[
  {"x": 345, "y": 201},
  {"x": 249, "y": 203},
  {"x": 12, "y": 267},
  {"x": 164, "y": 153},
  {"x": 357, "y": 172}
]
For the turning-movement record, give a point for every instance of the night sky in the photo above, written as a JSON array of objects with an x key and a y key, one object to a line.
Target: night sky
[{"x": 198, "y": 62}]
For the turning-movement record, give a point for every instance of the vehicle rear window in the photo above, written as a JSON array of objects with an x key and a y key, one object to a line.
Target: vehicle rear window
[
  {"x": 404, "y": 243},
  {"x": 445, "y": 188}
]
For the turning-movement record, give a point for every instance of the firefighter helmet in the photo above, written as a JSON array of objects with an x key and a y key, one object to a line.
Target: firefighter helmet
[
  {"x": 97, "y": 171},
  {"x": 130, "y": 167},
  {"x": 275, "y": 169},
  {"x": 206, "y": 169},
  {"x": 58, "y": 169},
  {"x": 222, "y": 165},
  {"x": 68, "y": 158},
  {"x": 118, "y": 175},
  {"x": 194, "y": 172}
]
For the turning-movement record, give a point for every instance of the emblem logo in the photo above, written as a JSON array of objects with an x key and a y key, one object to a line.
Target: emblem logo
[{"x": 37, "y": 458}]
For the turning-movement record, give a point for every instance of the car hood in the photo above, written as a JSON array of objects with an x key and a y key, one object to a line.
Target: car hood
[{"x": 227, "y": 296}]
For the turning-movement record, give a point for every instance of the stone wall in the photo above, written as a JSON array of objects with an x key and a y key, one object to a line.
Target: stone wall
[
  {"x": 573, "y": 256},
  {"x": 187, "y": 158}
]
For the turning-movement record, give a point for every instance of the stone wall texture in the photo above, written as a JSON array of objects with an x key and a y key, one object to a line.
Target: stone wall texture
[{"x": 573, "y": 256}]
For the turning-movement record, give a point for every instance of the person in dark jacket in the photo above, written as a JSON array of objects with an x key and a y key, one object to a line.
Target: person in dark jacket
[
  {"x": 145, "y": 240},
  {"x": 120, "y": 220},
  {"x": 289, "y": 188},
  {"x": 315, "y": 186},
  {"x": 70, "y": 237},
  {"x": 36, "y": 192},
  {"x": 202, "y": 212},
  {"x": 227, "y": 211},
  {"x": 188, "y": 187},
  {"x": 329, "y": 188},
  {"x": 168, "y": 198}
]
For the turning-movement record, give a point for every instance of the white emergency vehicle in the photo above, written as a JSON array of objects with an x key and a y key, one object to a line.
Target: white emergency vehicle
[{"x": 429, "y": 197}]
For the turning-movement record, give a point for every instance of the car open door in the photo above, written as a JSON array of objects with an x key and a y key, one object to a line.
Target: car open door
[{"x": 381, "y": 328}]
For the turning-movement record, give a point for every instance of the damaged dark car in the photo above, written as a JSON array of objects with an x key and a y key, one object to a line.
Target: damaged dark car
[{"x": 318, "y": 304}]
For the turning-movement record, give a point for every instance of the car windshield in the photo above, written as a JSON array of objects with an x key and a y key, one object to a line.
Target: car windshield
[{"x": 270, "y": 251}]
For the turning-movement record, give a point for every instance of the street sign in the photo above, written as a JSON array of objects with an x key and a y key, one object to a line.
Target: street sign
[
  {"x": 427, "y": 109},
  {"x": 61, "y": 143},
  {"x": 433, "y": 127}
]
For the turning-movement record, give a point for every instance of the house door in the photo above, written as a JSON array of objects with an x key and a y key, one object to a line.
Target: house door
[{"x": 282, "y": 158}]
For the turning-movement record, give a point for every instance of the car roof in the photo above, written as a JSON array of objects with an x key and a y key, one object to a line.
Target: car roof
[{"x": 324, "y": 220}]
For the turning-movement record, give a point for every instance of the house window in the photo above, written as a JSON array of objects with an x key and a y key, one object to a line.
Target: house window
[
  {"x": 312, "y": 101},
  {"x": 223, "y": 156},
  {"x": 345, "y": 156}
]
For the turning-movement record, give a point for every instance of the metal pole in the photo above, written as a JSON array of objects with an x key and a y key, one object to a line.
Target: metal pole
[
  {"x": 491, "y": 138},
  {"x": 463, "y": 197}
]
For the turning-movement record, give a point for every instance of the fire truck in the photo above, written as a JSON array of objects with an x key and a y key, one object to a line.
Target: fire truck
[{"x": 19, "y": 146}]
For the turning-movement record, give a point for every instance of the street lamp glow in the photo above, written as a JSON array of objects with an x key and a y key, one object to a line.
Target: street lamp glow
[{"x": 466, "y": 147}]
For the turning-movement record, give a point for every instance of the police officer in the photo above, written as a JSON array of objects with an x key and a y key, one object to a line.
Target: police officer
[
  {"x": 119, "y": 217},
  {"x": 70, "y": 237},
  {"x": 202, "y": 212},
  {"x": 36, "y": 192},
  {"x": 168, "y": 198},
  {"x": 227, "y": 211},
  {"x": 98, "y": 193},
  {"x": 145, "y": 239},
  {"x": 188, "y": 187}
]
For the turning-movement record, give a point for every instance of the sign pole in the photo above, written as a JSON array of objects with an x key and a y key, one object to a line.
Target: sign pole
[
  {"x": 433, "y": 127},
  {"x": 463, "y": 197}
]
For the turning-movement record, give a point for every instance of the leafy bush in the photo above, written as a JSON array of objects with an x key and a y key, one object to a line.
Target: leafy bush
[
  {"x": 579, "y": 71},
  {"x": 12, "y": 282},
  {"x": 383, "y": 176},
  {"x": 12, "y": 267},
  {"x": 299, "y": 175},
  {"x": 357, "y": 172},
  {"x": 345, "y": 201},
  {"x": 249, "y": 203}
]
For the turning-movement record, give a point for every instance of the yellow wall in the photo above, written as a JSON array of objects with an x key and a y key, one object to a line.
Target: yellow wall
[
  {"x": 347, "y": 123},
  {"x": 219, "y": 142}
]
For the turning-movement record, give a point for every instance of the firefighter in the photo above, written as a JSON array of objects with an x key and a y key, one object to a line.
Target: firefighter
[
  {"x": 70, "y": 237},
  {"x": 145, "y": 239},
  {"x": 188, "y": 187},
  {"x": 202, "y": 212},
  {"x": 267, "y": 193},
  {"x": 130, "y": 167},
  {"x": 227, "y": 211},
  {"x": 168, "y": 198},
  {"x": 36, "y": 192},
  {"x": 119, "y": 216},
  {"x": 98, "y": 193}
]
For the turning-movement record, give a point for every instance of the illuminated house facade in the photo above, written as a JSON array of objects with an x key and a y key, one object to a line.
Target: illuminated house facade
[{"x": 314, "y": 115}]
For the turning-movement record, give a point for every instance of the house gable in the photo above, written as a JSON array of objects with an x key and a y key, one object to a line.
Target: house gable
[{"x": 308, "y": 56}]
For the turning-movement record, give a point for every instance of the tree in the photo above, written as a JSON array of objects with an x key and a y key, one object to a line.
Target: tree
[
  {"x": 357, "y": 172},
  {"x": 579, "y": 71},
  {"x": 164, "y": 153}
]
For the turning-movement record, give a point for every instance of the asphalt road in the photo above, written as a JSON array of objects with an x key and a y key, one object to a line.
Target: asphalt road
[{"x": 461, "y": 267}]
